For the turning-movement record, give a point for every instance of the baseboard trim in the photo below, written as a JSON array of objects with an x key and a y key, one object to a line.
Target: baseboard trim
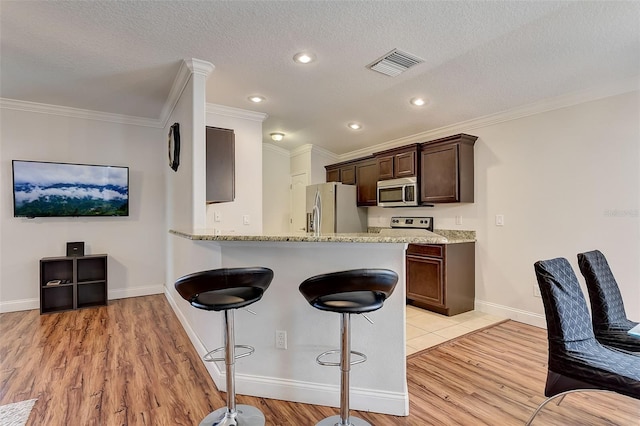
[
  {"x": 393, "y": 403},
  {"x": 531, "y": 318},
  {"x": 19, "y": 305},
  {"x": 121, "y": 293}
]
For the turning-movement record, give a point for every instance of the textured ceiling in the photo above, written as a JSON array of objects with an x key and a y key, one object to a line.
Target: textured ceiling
[{"x": 480, "y": 58}]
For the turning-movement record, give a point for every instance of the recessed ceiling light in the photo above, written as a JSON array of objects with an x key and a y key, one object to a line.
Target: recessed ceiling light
[
  {"x": 304, "y": 57},
  {"x": 257, "y": 99},
  {"x": 354, "y": 126},
  {"x": 277, "y": 136},
  {"x": 418, "y": 101}
]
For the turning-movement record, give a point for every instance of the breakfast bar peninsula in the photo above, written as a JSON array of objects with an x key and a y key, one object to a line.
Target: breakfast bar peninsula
[{"x": 291, "y": 373}]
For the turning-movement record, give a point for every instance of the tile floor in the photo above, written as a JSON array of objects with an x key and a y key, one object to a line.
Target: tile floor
[{"x": 426, "y": 329}]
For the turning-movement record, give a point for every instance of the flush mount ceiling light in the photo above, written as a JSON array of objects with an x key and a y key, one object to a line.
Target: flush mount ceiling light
[
  {"x": 354, "y": 126},
  {"x": 257, "y": 98},
  {"x": 418, "y": 101},
  {"x": 277, "y": 136},
  {"x": 304, "y": 57}
]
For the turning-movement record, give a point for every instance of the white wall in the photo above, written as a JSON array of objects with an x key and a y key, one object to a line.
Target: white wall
[
  {"x": 276, "y": 202},
  {"x": 135, "y": 244},
  {"x": 566, "y": 181},
  {"x": 247, "y": 127}
]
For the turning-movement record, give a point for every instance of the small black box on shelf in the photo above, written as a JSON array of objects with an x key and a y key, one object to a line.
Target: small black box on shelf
[{"x": 75, "y": 248}]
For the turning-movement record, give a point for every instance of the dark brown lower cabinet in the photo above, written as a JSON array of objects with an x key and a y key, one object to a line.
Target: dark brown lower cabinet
[
  {"x": 441, "y": 277},
  {"x": 72, "y": 282}
]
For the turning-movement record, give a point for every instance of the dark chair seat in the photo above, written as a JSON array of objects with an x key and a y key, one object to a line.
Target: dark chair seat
[
  {"x": 609, "y": 319},
  {"x": 225, "y": 288},
  {"x": 355, "y": 291},
  {"x": 231, "y": 298},
  {"x": 354, "y": 302}
]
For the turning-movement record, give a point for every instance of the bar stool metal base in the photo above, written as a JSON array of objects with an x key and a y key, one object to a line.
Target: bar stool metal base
[
  {"x": 335, "y": 421},
  {"x": 245, "y": 415}
]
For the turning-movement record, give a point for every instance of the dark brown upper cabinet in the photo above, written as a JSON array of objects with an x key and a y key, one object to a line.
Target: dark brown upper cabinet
[
  {"x": 367, "y": 182},
  {"x": 446, "y": 170},
  {"x": 220, "y": 153},
  {"x": 342, "y": 172},
  {"x": 443, "y": 167},
  {"x": 398, "y": 162},
  {"x": 362, "y": 172}
]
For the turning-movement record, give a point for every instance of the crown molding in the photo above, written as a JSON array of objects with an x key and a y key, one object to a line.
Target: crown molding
[
  {"x": 278, "y": 150},
  {"x": 85, "y": 114},
  {"x": 575, "y": 98},
  {"x": 236, "y": 112},
  {"x": 197, "y": 66},
  {"x": 303, "y": 149},
  {"x": 188, "y": 67}
]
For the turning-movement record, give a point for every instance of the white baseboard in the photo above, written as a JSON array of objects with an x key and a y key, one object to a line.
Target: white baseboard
[
  {"x": 19, "y": 305},
  {"x": 394, "y": 403},
  {"x": 531, "y": 318},
  {"x": 123, "y": 293},
  {"x": 29, "y": 304}
]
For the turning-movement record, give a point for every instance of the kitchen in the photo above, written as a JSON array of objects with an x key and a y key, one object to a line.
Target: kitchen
[{"x": 338, "y": 237}]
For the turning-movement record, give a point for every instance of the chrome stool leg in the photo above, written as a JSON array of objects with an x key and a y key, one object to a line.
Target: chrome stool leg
[
  {"x": 232, "y": 414},
  {"x": 345, "y": 367}
]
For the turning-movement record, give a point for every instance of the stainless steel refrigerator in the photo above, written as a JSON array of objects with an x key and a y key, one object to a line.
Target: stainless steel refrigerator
[{"x": 335, "y": 205}]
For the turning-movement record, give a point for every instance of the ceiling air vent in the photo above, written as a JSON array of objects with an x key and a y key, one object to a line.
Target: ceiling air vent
[{"x": 395, "y": 62}]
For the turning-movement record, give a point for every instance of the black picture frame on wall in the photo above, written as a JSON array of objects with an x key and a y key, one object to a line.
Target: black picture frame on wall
[{"x": 174, "y": 146}]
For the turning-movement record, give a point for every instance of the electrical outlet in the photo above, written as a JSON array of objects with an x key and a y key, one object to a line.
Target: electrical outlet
[
  {"x": 245, "y": 219},
  {"x": 536, "y": 290},
  {"x": 499, "y": 220},
  {"x": 281, "y": 339},
  {"x": 458, "y": 220}
]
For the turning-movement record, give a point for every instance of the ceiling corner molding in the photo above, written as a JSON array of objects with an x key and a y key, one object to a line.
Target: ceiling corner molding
[
  {"x": 236, "y": 112},
  {"x": 320, "y": 150},
  {"x": 85, "y": 114},
  {"x": 197, "y": 66},
  {"x": 615, "y": 88},
  {"x": 303, "y": 149},
  {"x": 278, "y": 150}
]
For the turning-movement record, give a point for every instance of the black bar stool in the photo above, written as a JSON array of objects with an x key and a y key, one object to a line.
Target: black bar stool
[
  {"x": 356, "y": 291},
  {"x": 225, "y": 290}
]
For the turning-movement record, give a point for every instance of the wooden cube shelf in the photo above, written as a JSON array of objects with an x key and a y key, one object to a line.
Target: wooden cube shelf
[{"x": 72, "y": 282}]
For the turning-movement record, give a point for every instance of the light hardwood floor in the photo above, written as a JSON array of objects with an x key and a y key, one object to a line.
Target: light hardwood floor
[{"x": 131, "y": 363}]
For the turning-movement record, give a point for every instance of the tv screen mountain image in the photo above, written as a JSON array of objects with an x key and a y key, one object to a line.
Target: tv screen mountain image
[{"x": 45, "y": 189}]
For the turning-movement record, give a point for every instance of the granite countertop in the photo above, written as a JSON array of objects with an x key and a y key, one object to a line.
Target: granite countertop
[{"x": 444, "y": 237}]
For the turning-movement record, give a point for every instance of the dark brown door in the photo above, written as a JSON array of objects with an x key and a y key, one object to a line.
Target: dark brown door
[
  {"x": 220, "y": 155},
  {"x": 367, "y": 182},
  {"x": 425, "y": 280},
  {"x": 439, "y": 174}
]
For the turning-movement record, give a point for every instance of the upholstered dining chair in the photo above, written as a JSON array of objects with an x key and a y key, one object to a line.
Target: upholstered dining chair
[
  {"x": 577, "y": 361},
  {"x": 608, "y": 316}
]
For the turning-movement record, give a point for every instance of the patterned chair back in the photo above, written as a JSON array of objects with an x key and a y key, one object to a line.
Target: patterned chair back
[{"x": 568, "y": 318}]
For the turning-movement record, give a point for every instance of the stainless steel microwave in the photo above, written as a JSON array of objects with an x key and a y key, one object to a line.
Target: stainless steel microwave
[{"x": 402, "y": 192}]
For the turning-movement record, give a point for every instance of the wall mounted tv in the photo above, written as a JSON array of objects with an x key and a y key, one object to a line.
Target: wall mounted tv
[{"x": 43, "y": 189}]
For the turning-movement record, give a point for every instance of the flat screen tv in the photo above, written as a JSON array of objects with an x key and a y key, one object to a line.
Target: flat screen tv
[{"x": 43, "y": 189}]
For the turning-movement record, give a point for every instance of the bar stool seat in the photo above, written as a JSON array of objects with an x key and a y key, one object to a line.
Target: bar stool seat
[
  {"x": 224, "y": 290},
  {"x": 356, "y": 291}
]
